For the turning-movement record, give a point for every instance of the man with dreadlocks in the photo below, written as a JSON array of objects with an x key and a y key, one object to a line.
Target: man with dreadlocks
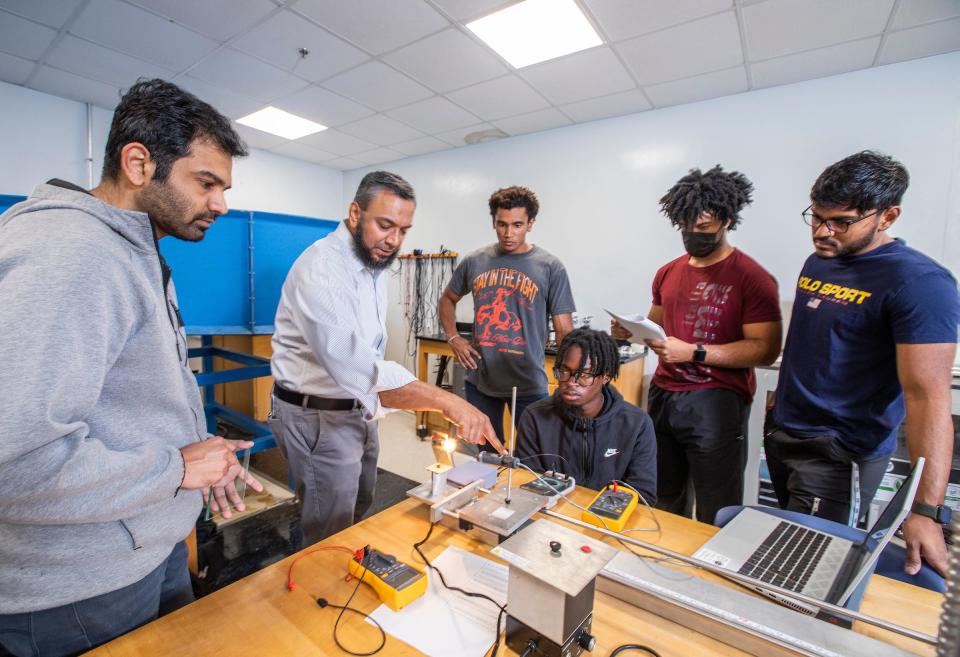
[
  {"x": 721, "y": 313},
  {"x": 586, "y": 429}
]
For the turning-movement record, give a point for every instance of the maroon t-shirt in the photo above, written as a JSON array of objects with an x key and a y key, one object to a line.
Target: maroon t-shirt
[{"x": 710, "y": 305}]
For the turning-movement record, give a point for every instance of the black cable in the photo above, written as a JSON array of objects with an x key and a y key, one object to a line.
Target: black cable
[
  {"x": 633, "y": 646},
  {"x": 346, "y": 607}
]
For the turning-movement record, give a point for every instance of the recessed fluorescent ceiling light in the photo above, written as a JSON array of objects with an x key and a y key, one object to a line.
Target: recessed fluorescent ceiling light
[
  {"x": 280, "y": 123},
  {"x": 534, "y": 31}
]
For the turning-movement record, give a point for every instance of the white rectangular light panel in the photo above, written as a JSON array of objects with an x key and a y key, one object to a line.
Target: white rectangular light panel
[
  {"x": 534, "y": 31},
  {"x": 280, "y": 123}
]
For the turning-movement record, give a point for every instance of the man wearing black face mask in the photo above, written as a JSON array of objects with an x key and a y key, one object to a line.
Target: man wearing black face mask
[{"x": 721, "y": 313}]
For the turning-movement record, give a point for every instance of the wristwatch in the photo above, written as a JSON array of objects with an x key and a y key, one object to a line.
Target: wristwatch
[
  {"x": 700, "y": 354},
  {"x": 938, "y": 512}
]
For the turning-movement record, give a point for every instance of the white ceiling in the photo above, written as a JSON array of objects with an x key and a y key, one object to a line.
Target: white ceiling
[{"x": 394, "y": 78}]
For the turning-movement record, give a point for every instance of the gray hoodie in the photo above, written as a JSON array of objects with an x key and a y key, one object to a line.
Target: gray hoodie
[{"x": 97, "y": 399}]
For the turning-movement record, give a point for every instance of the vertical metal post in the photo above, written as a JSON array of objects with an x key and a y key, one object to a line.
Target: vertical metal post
[
  {"x": 209, "y": 391},
  {"x": 513, "y": 440},
  {"x": 253, "y": 319}
]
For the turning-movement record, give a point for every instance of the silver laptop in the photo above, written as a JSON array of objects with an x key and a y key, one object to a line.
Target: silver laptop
[{"x": 788, "y": 555}]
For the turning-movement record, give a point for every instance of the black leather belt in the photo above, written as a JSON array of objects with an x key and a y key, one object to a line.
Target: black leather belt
[{"x": 315, "y": 403}]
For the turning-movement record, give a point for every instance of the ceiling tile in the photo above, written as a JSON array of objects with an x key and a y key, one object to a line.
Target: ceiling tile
[
  {"x": 14, "y": 69},
  {"x": 627, "y": 102},
  {"x": 701, "y": 87},
  {"x": 344, "y": 164},
  {"x": 52, "y": 13},
  {"x": 225, "y": 101},
  {"x": 456, "y": 137},
  {"x": 466, "y": 10},
  {"x": 279, "y": 38},
  {"x": 378, "y": 155},
  {"x": 421, "y": 146},
  {"x": 322, "y": 106},
  {"x": 244, "y": 74},
  {"x": 377, "y": 26},
  {"x": 337, "y": 142},
  {"x": 258, "y": 138},
  {"x": 815, "y": 63},
  {"x": 448, "y": 60},
  {"x": 780, "y": 27},
  {"x": 219, "y": 19},
  {"x": 23, "y": 38},
  {"x": 68, "y": 85},
  {"x": 705, "y": 45},
  {"x": 381, "y": 130},
  {"x": 587, "y": 74},
  {"x": 142, "y": 34},
  {"x": 916, "y": 12},
  {"x": 532, "y": 122},
  {"x": 378, "y": 86},
  {"x": 434, "y": 115},
  {"x": 626, "y": 18},
  {"x": 92, "y": 61},
  {"x": 496, "y": 99},
  {"x": 304, "y": 152},
  {"x": 921, "y": 41}
]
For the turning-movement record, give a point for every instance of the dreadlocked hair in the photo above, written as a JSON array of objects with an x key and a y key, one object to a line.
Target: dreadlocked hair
[
  {"x": 717, "y": 192},
  {"x": 597, "y": 347}
]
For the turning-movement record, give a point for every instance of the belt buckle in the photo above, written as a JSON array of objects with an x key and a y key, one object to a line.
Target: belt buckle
[{"x": 304, "y": 402}]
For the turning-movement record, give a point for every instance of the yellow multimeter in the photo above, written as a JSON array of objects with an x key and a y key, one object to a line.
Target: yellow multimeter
[
  {"x": 614, "y": 504},
  {"x": 396, "y": 583}
]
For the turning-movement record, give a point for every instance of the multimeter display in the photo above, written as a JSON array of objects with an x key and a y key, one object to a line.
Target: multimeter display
[
  {"x": 611, "y": 508},
  {"x": 611, "y": 505},
  {"x": 396, "y": 583},
  {"x": 390, "y": 571}
]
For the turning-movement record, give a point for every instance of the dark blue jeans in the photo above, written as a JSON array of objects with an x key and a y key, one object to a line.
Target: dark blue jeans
[
  {"x": 493, "y": 407},
  {"x": 81, "y": 626}
]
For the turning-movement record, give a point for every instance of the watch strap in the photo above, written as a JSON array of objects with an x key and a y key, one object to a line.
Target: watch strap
[{"x": 936, "y": 512}]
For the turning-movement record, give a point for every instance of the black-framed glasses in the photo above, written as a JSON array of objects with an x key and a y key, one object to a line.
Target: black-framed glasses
[
  {"x": 563, "y": 375},
  {"x": 839, "y": 225}
]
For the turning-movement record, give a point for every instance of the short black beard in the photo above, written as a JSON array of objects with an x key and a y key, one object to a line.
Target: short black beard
[
  {"x": 851, "y": 249},
  {"x": 167, "y": 208},
  {"x": 365, "y": 254}
]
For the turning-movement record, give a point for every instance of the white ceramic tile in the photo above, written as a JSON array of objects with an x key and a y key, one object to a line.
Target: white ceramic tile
[
  {"x": 496, "y": 99},
  {"x": 627, "y": 102},
  {"x": 378, "y": 156},
  {"x": 344, "y": 164},
  {"x": 258, "y": 138},
  {"x": 14, "y": 69},
  {"x": 227, "y": 102},
  {"x": 434, "y": 115},
  {"x": 421, "y": 146},
  {"x": 917, "y": 12},
  {"x": 922, "y": 41},
  {"x": 447, "y": 60},
  {"x": 815, "y": 63},
  {"x": 139, "y": 33},
  {"x": 468, "y": 10},
  {"x": 532, "y": 122},
  {"x": 92, "y": 61},
  {"x": 23, "y": 38},
  {"x": 701, "y": 87},
  {"x": 322, "y": 106},
  {"x": 456, "y": 137},
  {"x": 705, "y": 45},
  {"x": 244, "y": 74},
  {"x": 595, "y": 72},
  {"x": 378, "y": 86},
  {"x": 67, "y": 85},
  {"x": 218, "y": 19},
  {"x": 337, "y": 142},
  {"x": 621, "y": 19},
  {"x": 279, "y": 38},
  {"x": 377, "y": 26},
  {"x": 52, "y": 13},
  {"x": 781, "y": 27},
  {"x": 381, "y": 130},
  {"x": 304, "y": 152}
]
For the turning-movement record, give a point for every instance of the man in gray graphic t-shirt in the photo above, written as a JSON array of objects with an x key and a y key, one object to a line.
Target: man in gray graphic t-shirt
[{"x": 515, "y": 287}]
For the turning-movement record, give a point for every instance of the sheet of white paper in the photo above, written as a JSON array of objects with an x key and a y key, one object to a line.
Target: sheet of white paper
[
  {"x": 445, "y": 623},
  {"x": 639, "y": 326}
]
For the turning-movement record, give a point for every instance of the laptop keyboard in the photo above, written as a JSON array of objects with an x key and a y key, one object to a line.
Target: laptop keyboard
[{"x": 787, "y": 557}]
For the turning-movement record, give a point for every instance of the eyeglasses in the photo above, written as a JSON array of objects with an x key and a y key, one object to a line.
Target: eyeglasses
[
  {"x": 582, "y": 378},
  {"x": 839, "y": 225}
]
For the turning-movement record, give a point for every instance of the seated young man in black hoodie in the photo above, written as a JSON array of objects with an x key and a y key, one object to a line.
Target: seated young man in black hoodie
[{"x": 586, "y": 429}]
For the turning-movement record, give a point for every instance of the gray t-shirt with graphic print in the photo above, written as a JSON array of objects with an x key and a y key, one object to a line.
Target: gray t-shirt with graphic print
[{"x": 513, "y": 295}]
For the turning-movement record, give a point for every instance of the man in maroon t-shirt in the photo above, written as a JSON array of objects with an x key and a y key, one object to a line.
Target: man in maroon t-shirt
[{"x": 721, "y": 313}]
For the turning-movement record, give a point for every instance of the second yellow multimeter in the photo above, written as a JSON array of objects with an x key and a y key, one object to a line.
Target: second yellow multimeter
[
  {"x": 614, "y": 504},
  {"x": 396, "y": 583}
]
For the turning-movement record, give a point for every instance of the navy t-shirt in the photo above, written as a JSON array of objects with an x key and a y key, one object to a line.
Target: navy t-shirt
[{"x": 839, "y": 371}]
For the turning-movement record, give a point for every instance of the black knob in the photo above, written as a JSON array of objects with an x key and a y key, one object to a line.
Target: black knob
[
  {"x": 587, "y": 641},
  {"x": 555, "y": 547}
]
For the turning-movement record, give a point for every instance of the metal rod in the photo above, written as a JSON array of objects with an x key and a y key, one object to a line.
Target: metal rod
[
  {"x": 513, "y": 437},
  {"x": 253, "y": 323},
  {"x": 740, "y": 579}
]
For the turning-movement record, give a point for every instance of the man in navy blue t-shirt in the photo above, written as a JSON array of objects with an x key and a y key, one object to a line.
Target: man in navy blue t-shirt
[{"x": 872, "y": 339}]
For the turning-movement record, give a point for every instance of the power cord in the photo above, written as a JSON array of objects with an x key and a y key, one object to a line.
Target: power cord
[
  {"x": 634, "y": 646},
  {"x": 346, "y": 607}
]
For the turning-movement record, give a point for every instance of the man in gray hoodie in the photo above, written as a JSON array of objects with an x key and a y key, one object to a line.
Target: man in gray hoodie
[{"x": 104, "y": 449}]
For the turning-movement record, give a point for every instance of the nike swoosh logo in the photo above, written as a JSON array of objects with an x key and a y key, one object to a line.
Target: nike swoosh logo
[{"x": 611, "y": 452}]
